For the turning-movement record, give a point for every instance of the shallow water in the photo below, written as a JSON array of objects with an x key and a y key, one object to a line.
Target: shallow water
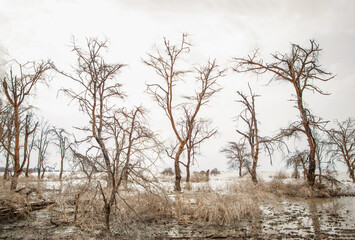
[{"x": 311, "y": 218}]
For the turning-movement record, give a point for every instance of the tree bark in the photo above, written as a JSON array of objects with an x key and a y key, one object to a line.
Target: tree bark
[
  {"x": 311, "y": 141},
  {"x": 188, "y": 165},
  {"x": 253, "y": 172},
  {"x": 6, "y": 172},
  {"x": 27, "y": 168},
  {"x": 61, "y": 168},
  {"x": 177, "y": 186}
]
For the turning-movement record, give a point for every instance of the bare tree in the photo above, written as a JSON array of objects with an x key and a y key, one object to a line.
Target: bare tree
[
  {"x": 117, "y": 140},
  {"x": 321, "y": 152},
  {"x": 6, "y": 136},
  {"x": 61, "y": 140},
  {"x": 42, "y": 144},
  {"x": 83, "y": 163},
  {"x": 341, "y": 141},
  {"x": 96, "y": 87},
  {"x": 165, "y": 63},
  {"x": 3, "y": 120},
  {"x": 200, "y": 133},
  {"x": 17, "y": 89},
  {"x": 251, "y": 134},
  {"x": 297, "y": 160},
  {"x": 31, "y": 145},
  {"x": 237, "y": 155},
  {"x": 300, "y": 68}
]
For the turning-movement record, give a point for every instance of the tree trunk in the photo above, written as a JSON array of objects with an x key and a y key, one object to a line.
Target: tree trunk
[
  {"x": 240, "y": 168},
  {"x": 106, "y": 157},
  {"x": 17, "y": 172},
  {"x": 6, "y": 172},
  {"x": 188, "y": 165},
  {"x": 77, "y": 198},
  {"x": 320, "y": 171},
  {"x": 107, "y": 217},
  {"x": 311, "y": 167},
  {"x": 61, "y": 169},
  {"x": 352, "y": 175},
  {"x": 311, "y": 142},
  {"x": 177, "y": 186},
  {"x": 43, "y": 171},
  {"x": 39, "y": 172},
  {"x": 253, "y": 172},
  {"x": 351, "y": 170},
  {"x": 14, "y": 181},
  {"x": 296, "y": 171},
  {"x": 27, "y": 168}
]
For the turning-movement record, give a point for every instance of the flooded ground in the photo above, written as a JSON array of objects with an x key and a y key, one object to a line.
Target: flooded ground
[
  {"x": 291, "y": 219},
  {"x": 280, "y": 218},
  {"x": 311, "y": 218}
]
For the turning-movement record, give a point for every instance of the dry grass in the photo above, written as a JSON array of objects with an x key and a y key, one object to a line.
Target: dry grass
[
  {"x": 300, "y": 189},
  {"x": 240, "y": 201},
  {"x": 224, "y": 208},
  {"x": 199, "y": 177},
  {"x": 281, "y": 175},
  {"x": 145, "y": 206}
]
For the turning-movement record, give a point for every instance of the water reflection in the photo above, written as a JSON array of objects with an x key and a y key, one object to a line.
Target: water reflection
[{"x": 313, "y": 218}]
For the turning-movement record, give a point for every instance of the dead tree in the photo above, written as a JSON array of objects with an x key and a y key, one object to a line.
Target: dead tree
[
  {"x": 321, "y": 151},
  {"x": 17, "y": 88},
  {"x": 31, "y": 145},
  {"x": 300, "y": 68},
  {"x": 42, "y": 144},
  {"x": 133, "y": 141},
  {"x": 3, "y": 120},
  {"x": 6, "y": 137},
  {"x": 166, "y": 65},
  {"x": 61, "y": 140},
  {"x": 237, "y": 155},
  {"x": 200, "y": 133},
  {"x": 96, "y": 87},
  {"x": 251, "y": 134},
  {"x": 117, "y": 140},
  {"x": 83, "y": 163},
  {"x": 341, "y": 141},
  {"x": 296, "y": 160}
]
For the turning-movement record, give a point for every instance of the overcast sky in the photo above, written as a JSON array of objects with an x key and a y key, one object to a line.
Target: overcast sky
[{"x": 43, "y": 29}]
